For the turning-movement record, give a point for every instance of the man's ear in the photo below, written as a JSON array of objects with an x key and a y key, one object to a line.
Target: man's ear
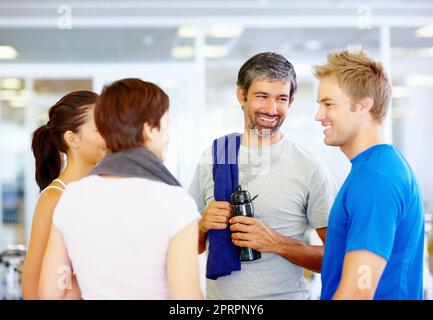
[
  {"x": 365, "y": 105},
  {"x": 241, "y": 96},
  {"x": 291, "y": 101},
  {"x": 72, "y": 140}
]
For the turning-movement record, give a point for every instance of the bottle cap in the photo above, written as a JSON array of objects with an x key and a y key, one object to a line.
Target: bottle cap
[{"x": 240, "y": 196}]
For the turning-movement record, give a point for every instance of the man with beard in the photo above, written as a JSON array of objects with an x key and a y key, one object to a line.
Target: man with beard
[{"x": 295, "y": 192}]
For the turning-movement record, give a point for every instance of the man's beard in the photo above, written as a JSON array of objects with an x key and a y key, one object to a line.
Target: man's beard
[{"x": 264, "y": 131}]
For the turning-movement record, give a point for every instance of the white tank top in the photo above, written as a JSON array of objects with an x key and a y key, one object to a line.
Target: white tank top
[
  {"x": 55, "y": 187},
  {"x": 117, "y": 233}
]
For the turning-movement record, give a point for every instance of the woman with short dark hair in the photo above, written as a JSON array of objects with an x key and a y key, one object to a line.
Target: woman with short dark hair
[{"x": 129, "y": 229}]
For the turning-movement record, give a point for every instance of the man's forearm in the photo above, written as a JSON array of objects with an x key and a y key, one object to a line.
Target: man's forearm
[
  {"x": 300, "y": 253},
  {"x": 342, "y": 294}
]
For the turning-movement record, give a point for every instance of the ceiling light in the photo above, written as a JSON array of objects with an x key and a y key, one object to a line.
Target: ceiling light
[
  {"x": 225, "y": 31},
  {"x": 18, "y": 103},
  {"x": 214, "y": 31},
  {"x": 182, "y": 52},
  {"x": 7, "y": 94},
  {"x": 425, "y": 31},
  {"x": 214, "y": 51},
  {"x": 7, "y": 53},
  {"x": 11, "y": 83},
  {"x": 187, "y": 32}
]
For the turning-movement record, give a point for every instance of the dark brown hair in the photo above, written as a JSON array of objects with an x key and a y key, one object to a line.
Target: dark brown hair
[
  {"x": 68, "y": 114},
  {"x": 123, "y": 108}
]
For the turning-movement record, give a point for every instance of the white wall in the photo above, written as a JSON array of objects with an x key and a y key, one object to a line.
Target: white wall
[{"x": 415, "y": 137}]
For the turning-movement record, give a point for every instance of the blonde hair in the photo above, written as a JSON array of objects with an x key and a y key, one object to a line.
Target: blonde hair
[{"x": 358, "y": 76}]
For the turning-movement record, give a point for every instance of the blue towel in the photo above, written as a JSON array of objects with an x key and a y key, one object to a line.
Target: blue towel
[{"x": 223, "y": 255}]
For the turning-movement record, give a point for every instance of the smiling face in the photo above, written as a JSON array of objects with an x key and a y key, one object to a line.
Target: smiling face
[
  {"x": 337, "y": 114},
  {"x": 265, "y": 106}
]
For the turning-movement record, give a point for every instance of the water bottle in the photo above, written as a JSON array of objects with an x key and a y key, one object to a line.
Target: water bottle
[{"x": 243, "y": 206}]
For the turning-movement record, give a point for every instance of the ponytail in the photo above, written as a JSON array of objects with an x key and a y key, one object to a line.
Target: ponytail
[{"x": 48, "y": 160}]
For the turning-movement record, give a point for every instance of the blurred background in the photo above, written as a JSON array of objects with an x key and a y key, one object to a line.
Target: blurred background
[{"x": 193, "y": 50}]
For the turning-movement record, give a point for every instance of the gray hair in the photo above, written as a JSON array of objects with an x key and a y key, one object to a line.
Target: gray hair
[{"x": 266, "y": 65}]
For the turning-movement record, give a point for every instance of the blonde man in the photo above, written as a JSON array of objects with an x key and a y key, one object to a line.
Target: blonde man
[{"x": 375, "y": 239}]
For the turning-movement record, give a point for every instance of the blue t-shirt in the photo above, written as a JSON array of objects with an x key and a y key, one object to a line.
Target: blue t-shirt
[{"x": 379, "y": 208}]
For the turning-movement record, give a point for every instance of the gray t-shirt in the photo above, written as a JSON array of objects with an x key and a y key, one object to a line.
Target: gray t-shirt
[{"x": 296, "y": 191}]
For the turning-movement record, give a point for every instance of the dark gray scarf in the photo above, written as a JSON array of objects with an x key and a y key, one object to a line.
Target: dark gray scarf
[{"x": 137, "y": 162}]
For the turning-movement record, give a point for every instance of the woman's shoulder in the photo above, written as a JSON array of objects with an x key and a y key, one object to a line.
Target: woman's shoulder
[
  {"x": 47, "y": 201},
  {"x": 51, "y": 194}
]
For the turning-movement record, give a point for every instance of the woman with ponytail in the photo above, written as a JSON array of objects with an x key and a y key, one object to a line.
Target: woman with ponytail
[{"x": 65, "y": 149}]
